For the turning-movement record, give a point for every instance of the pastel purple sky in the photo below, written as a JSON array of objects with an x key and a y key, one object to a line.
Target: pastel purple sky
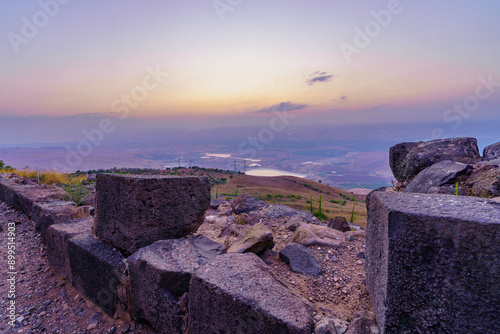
[{"x": 91, "y": 54}]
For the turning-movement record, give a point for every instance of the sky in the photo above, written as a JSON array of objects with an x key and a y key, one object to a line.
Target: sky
[{"x": 202, "y": 63}]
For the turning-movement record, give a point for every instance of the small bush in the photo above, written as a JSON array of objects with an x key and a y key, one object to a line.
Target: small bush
[{"x": 76, "y": 193}]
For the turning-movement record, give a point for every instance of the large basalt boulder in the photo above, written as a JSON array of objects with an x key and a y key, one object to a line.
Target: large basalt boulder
[
  {"x": 485, "y": 181},
  {"x": 237, "y": 293},
  {"x": 135, "y": 211},
  {"x": 57, "y": 243},
  {"x": 339, "y": 223},
  {"x": 257, "y": 239},
  {"x": 53, "y": 212},
  {"x": 247, "y": 204},
  {"x": 159, "y": 278},
  {"x": 408, "y": 159},
  {"x": 317, "y": 235},
  {"x": 301, "y": 260},
  {"x": 98, "y": 271},
  {"x": 283, "y": 211},
  {"x": 433, "y": 262},
  {"x": 492, "y": 152},
  {"x": 437, "y": 175}
]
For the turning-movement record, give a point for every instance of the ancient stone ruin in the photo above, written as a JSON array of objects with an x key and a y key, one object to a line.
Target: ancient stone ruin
[
  {"x": 432, "y": 259},
  {"x": 432, "y": 254}
]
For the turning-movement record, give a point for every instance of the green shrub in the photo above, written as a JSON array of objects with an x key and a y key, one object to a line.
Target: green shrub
[{"x": 76, "y": 193}]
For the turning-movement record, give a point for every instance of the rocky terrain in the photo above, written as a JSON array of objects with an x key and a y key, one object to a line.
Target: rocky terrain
[{"x": 245, "y": 265}]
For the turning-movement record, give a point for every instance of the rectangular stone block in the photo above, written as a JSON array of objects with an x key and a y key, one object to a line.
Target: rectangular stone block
[
  {"x": 433, "y": 263},
  {"x": 135, "y": 211},
  {"x": 237, "y": 293},
  {"x": 98, "y": 271},
  {"x": 23, "y": 197},
  {"x": 159, "y": 279},
  {"x": 46, "y": 214},
  {"x": 58, "y": 236}
]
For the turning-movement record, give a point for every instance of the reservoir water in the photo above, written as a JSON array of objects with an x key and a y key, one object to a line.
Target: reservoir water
[{"x": 272, "y": 172}]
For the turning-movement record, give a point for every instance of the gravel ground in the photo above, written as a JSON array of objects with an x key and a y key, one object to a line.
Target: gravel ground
[{"x": 340, "y": 292}]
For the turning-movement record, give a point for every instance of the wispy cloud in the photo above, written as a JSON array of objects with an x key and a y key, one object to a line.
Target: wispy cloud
[
  {"x": 283, "y": 106},
  {"x": 318, "y": 76}
]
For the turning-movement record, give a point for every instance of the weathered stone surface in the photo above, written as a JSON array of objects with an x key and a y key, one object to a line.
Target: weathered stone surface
[
  {"x": 485, "y": 181},
  {"x": 57, "y": 243},
  {"x": 408, "y": 159},
  {"x": 46, "y": 214},
  {"x": 339, "y": 223},
  {"x": 492, "y": 152},
  {"x": 159, "y": 278},
  {"x": 242, "y": 219},
  {"x": 135, "y": 211},
  {"x": 246, "y": 204},
  {"x": 236, "y": 293},
  {"x": 363, "y": 323},
  {"x": 325, "y": 326},
  {"x": 433, "y": 262},
  {"x": 301, "y": 260},
  {"x": 311, "y": 235},
  {"x": 437, "y": 175},
  {"x": 215, "y": 203},
  {"x": 22, "y": 197},
  {"x": 257, "y": 239},
  {"x": 293, "y": 222},
  {"x": 98, "y": 270},
  {"x": 280, "y": 210}
]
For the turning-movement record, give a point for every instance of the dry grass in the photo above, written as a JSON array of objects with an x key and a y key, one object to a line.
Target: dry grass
[
  {"x": 259, "y": 186},
  {"x": 48, "y": 177}
]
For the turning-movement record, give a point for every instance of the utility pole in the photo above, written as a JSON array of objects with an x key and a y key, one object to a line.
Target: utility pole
[
  {"x": 234, "y": 166},
  {"x": 244, "y": 165}
]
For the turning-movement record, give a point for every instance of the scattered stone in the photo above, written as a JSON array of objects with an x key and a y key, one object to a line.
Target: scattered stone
[
  {"x": 432, "y": 262},
  {"x": 492, "y": 152},
  {"x": 408, "y": 159},
  {"x": 97, "y": 270},
  {"x": 237, "y": 293},
  {"x": 246, "y": 204},
  {"x": 294, "y": 222},
  {"x": 133, "y": 211},
  {"x": 440, "y": 174},
  {"x": 339, "y": 223},
  {"x": 280, "y": 210},
  {"x": 215, "y": 203},
  {"x": 159, "y": 277},
  {"x": 242, "y": 219},
  {"x": 363, "y": 323},
  {"x": 257, "y": 239},
  {"x": 57, "y": 243},
  {"x": 311, "y": 235},
  {"x": 301, "y": 260},
  {"x": 325, "y": 326}
]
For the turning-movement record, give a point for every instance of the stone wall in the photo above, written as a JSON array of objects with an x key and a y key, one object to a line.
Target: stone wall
[
  {"x": 433, "y": 263},
  {"x": 121, "y": 262}
]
